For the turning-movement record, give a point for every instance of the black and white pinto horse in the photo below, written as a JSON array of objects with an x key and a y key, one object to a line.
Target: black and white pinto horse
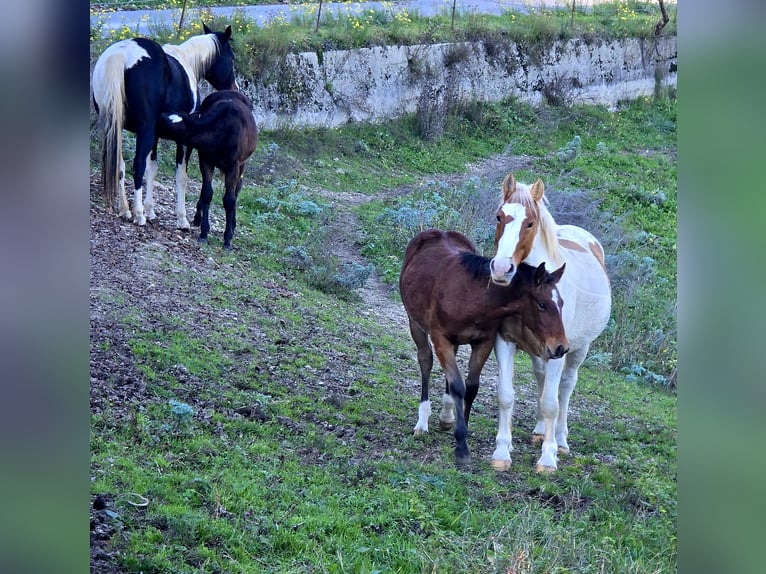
[
  {"x": 224, "y": 134},
  {"x": 134, "y": 82}
]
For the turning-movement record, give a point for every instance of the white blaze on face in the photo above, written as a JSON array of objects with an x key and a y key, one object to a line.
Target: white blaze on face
[
  {"x": 175, "y": 118},
  {"x": 510, "y": 238},
  {"x": 507, "y": 244}
]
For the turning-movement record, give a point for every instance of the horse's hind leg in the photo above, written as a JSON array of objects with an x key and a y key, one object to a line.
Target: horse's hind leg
[
  {"x": 145, "y": 144},
  {"x": 151, "y": 172},
  {"x": 183, "y": 153},
  {"x": 572, "y": 362},
  {"x": 124, "y": 205},
  {"x": 447, "y": 415},
  {"x": 426, "y": 363},
  {"x": 232, "y": 184},
  {"x": 445, "y": 352},
  {"x": 479, "y": 354}
]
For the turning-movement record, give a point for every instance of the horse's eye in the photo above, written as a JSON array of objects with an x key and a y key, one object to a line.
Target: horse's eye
[
  {"x": 542, "y": 306},
  {"x": 498, "y": 218},
  {"x": 530, "y": 224}
]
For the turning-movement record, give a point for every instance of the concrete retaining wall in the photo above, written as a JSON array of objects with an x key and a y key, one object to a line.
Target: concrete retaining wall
[{"x": 374, "y": 84}]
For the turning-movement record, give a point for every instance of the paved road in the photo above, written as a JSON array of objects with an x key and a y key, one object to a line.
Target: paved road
[{"x": 142, "y": 22}]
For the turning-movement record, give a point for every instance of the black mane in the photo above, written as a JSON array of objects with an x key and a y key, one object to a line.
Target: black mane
[{"x": 475, "y": 264}]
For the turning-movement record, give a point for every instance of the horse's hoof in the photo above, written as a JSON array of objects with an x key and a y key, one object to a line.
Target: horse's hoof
[
  {"x": 462, "y": 459},
  {"x": 542, "y": 469},
  {"x": 563, "y": 450},
  {"x": 184, "y": 226},
  {"x": 501, "y": 465},
  {"x": 126, "y": 215},
  {"x": 202, "y": 240},
  {"x": 141, "y": 221},
  {"x": 227, "y": 247},
  {"x": 420, "y": 432},
  {"x": 446, "y": 426},
  {"x": 536, "y": 439}
]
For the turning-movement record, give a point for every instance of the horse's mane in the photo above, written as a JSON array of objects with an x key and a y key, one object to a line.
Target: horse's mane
[
  {"x": 475, "y": 264},
  {"x": 548, "y": 226},
  {"x": 196, "y": 53}
]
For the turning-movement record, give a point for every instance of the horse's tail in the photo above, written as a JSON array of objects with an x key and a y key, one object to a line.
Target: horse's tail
[{"x": 109, "y": 98}]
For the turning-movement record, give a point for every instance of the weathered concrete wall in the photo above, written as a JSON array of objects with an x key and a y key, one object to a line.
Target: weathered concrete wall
[{"x": 373, "y": 84}]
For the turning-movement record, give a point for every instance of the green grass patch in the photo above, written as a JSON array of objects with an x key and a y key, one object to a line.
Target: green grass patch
[{"x": 274, "y": 433}]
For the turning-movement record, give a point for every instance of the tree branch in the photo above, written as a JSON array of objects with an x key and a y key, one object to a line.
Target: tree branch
[{"x": 665, "y": 19}]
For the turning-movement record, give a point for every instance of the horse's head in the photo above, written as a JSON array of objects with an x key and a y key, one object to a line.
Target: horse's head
[
  {"x": 220, "y": 73},
  {"x": 538, "y": 327},
  {"x": 518, "y": 220}
]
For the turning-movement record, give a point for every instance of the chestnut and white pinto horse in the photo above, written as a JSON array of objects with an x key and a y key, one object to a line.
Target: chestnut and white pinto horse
[{"x": 526, "y": 232}]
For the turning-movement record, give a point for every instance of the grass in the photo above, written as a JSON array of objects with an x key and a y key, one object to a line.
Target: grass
[
  {"x": 260, "y": 48},
  {"x": 274, "y": 433},
  {"x": 327, "y": 477}
]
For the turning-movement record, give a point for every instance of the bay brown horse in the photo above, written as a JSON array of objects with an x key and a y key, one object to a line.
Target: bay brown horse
[
  {"x": 446, "y": 290},
  {"x": 224, "y": 134}
]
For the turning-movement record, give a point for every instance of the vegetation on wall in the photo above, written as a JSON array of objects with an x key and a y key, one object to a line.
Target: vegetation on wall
[{"x": 259, "y": 46}]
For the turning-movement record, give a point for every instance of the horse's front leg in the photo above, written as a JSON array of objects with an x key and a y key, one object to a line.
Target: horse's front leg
[
  {"x": 151, "y": 172},
  {"x": 549, "y": 409},
  {"x": 426, "y": 363},
  {"x": 445, "y": 352},
  {"x": 183, "y": 153},
  {"x": 538, "y": 368},
  {"x": 505, "y": 351}
]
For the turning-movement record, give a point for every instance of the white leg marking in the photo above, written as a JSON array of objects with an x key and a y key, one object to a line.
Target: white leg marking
[
  {"x": 124, "y": 205},
  {"x": 151, "y": 172},
  {"x": 181, "y": 180},
  {"x": 572, "y": 362},
  {"x": 138, "y": 207},
  {"x": 424, "y": 411},
  {"x": 538, "y": 367},
  {"x": 447, "y": 415},
  {"x": 504, "y": 352},
  {"x": 549, "y": 407}
]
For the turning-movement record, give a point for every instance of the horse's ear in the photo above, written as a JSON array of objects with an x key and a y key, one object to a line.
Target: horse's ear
[
  {"x": 556, "y": 275},
  {"x": 509, "y": 187},
  {"x": 206, "y": 29},
  {"x": 540, "y": 274},
  {"x": 227, "y": 32},
  {"x": 537, "y": 190}
]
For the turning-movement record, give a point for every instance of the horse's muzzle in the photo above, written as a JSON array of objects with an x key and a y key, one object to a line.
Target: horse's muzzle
[
  {"x": 501, "y": 271},
  {"x": 558, "y": 352}
]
